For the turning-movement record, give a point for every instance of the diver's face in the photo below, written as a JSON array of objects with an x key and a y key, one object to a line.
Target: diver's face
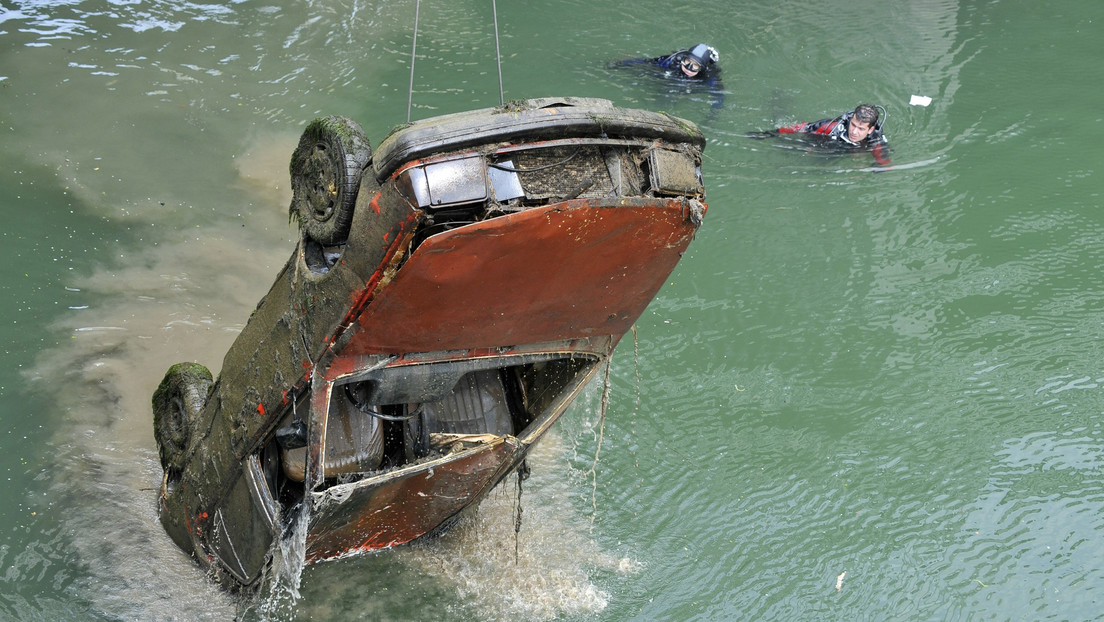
[
  {"x": 857, "y": 131},
  {"x": 690, "y": 68}
]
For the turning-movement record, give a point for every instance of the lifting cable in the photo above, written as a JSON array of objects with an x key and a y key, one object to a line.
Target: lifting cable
[
  {"x": 414, "y": 54},
  {"x": 498, "y": 54}
]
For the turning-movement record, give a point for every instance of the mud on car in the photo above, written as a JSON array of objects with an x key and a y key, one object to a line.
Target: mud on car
[{"x": 451, "y": 293}]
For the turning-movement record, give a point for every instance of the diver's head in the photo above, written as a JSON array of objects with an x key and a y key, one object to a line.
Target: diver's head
[
  {"x": 862, "y": 122},
  {"x": 697, "y": 60}
]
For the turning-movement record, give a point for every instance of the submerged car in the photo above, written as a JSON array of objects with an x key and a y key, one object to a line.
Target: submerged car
[{"x": 450, "y": 295}]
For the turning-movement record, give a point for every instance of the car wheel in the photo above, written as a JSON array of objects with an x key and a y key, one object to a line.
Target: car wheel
[
  {"x": 176, "y": 405},
  {"x": 325, "y": 174}
]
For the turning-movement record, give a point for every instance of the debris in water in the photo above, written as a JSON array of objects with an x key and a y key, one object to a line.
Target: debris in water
[{"x": 839, "y": 580}]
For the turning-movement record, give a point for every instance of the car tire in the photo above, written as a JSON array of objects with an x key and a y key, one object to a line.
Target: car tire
[
  {"x": 177, "y": 403},
  {"x": 325, "y": 175}
]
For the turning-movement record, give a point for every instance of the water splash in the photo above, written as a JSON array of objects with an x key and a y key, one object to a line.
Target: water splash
[
  {"x": 286, "y": 572},
  {"x": 481, "y": 568},
  {"x": 547, "y": 572}
]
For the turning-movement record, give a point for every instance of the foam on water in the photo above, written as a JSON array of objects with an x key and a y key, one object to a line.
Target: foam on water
[{"x": 540, "y": 573}]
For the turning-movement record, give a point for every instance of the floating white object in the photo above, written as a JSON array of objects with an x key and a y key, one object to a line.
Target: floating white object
[{"x": 919, "y": 100}]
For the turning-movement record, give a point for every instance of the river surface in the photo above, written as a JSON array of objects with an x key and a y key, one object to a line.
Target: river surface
[{"x": 864, "y": 394}]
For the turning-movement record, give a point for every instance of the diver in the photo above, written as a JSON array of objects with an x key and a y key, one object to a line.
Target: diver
[
  {"x": 857, "y": 130},
  {"x": 695, "y": 66}
]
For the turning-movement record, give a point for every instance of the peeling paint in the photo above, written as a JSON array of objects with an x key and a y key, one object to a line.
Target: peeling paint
[{"x": 429, "y": 298}]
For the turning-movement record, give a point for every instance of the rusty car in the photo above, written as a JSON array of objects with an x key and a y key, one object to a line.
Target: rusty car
[{"x": 451, "y": 293}]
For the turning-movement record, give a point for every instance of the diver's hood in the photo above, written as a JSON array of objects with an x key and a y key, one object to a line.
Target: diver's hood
[{"x": 703, "y": 54}]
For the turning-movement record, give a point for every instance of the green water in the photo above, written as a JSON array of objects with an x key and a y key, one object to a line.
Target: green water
[{"x": 861, "y": 396}]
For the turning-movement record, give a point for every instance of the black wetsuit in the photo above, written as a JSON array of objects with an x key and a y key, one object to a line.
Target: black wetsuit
[{"x": 709, "y": 76}]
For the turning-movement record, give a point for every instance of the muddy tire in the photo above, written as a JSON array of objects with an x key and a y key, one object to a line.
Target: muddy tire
[
  {"x": 177, "y": 403},
  {"x": 325, "y": 174}
]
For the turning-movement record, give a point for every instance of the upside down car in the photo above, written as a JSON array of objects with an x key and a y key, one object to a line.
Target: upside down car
[{"x": 451, "y": 293}]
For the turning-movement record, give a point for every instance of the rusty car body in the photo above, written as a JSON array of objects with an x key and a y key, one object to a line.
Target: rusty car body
[{"x": 450, "y": 295}]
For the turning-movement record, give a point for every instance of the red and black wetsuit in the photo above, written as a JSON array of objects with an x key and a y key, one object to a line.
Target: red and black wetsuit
[{"x": 836, "y": 130}]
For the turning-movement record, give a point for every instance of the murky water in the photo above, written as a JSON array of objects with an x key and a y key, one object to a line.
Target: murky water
[{"x": 862, "y": 395}]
